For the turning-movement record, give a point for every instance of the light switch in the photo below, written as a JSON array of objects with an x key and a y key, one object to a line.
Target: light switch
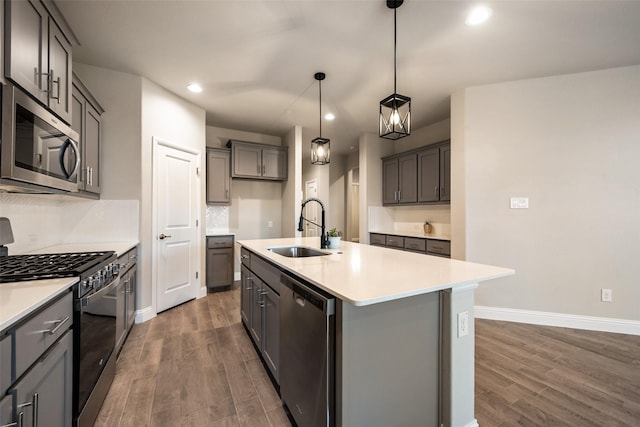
[
  {"x": 463, "y": 324},
  {"x": 519, "y": 203}
]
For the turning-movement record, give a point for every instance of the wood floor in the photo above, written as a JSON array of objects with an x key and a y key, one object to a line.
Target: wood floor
[{"x": 195, "y": 366}]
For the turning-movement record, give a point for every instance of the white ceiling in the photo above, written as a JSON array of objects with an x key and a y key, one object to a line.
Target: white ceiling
[{"x": 256, "y": 58}]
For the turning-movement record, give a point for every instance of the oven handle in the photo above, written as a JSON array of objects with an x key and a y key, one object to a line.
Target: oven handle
[{"x": 85, "y": 301}]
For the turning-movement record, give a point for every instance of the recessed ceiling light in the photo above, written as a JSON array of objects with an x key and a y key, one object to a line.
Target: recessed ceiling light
[
  {"x": 478, "y": 15},
  {"x": 329, "y": 116},
  {"x": 195, "y": 88}
]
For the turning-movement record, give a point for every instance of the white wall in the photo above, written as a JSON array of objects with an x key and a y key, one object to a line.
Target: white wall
[
  {"x": 372, "y": 149},
  {"x": 337, "y": 214},
  {"x": 570, "y": 144},
  {"x": 292, "y": 188}
]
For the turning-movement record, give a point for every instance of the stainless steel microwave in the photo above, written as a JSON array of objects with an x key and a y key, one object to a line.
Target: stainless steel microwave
[{"x": 39, "y": 153}]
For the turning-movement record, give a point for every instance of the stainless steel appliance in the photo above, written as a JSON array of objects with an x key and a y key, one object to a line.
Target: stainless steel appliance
[
  {"x": 307, "y": 341},
  {"x": 94, "y": 318},
  {"x": 38, "y": 152}
]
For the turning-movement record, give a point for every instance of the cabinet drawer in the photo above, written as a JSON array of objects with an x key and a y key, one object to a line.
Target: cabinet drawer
[
  {"x": 5, "y": 365},
  {"x": 219, "y": 242},
  {"x": 34, "y": 337},
  {"x": 245, "y": 257},
  {"x": 267, "y": 272},
  {"x": 415, "y": 244},
  {"x": 395, "y": 242},
  {"x": 127, "y": 260},
  {"x": 441, "y": 247},
  {"x": 377, "y": 239}
]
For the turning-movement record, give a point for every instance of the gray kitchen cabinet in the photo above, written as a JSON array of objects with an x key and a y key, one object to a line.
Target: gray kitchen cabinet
[
  {"x": 400, "y": 179},
  {"x": 439, "y": 248},
  {"x": 413, "y": 244},
  {"x": 395, "y": 242},
  {"x": 44, "y": 395},
  {"x": 86, "y": 120},
  {"x": 434, "y": 173},
  {"x": 258, "y": 161},
  {"x": 125, "y": 296},
  {"x": 219, "y": 261},
  {"x": 421, "y": 245},
  {"x": 218, "y": 177},
  {"x": 6, "y": 411},
  {"x": 260, "y": 308},
  {"x": 38, "y": 53},
  {"x": 378, "y": 239}
]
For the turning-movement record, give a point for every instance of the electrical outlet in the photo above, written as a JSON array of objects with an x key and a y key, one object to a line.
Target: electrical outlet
[
  {"x": 519, "y": 203},
  {"x": 270, "y": 224},
  {"x": 606, "y": 295},
  {"x": 463, "y": 324}
]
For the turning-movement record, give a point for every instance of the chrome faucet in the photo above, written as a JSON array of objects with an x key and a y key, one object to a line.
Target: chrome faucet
[{"x": 323, "y": 238}]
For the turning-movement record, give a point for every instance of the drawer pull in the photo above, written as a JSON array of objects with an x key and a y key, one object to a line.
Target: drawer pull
[
  {"x": 244, "y": 256},
  {"x": 58, "y": 324},
  {"x": 35, "y": 408}
]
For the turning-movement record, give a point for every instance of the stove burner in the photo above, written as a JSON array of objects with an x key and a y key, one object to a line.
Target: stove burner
[{"x": 45, "y": 266}]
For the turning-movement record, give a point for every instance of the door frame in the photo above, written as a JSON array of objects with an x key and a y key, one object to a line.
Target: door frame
[
  {"x": 313, "y": 181},
  {"x": 156, "y": 142}
]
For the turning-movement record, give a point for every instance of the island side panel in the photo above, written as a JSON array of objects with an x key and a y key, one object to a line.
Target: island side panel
[
  {"x": 458, "y": 361},
  {"x": 387, "y": 363}
]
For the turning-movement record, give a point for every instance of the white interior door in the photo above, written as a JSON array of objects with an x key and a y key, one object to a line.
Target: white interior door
[
  {"x": 311, "y": 209},
  {"x": 177, "y": 204}
]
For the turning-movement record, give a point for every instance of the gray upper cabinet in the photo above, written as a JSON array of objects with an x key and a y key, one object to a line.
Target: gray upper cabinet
[
  {"x": 86, "y": 112},
  {"x": 420, "y": 176},
  {"x": 400, "y": 179},
  {"x": 258, "y": 161},
  {"x": 218, "y": 177},
  {"x": 38, "y": 54}
]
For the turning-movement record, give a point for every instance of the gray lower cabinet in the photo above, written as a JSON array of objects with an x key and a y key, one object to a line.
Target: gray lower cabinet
[
  {"x": 378, "y": 239},
  {"x": 260, "y": 308},
  {"x": 258, "y": 161},
  {"x": 43, "y": 396},
  {"x": 6, "y": 411},
  {"x": 427, "y": 246},
  {"x": 126, "y": 296},
  {"x": 219, "y": 261},
  {"x": 218, "y": 177}
]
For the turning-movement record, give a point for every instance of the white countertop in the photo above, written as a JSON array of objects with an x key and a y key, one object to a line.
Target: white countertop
[
  {"x": 119, "y": 247},
  {"x": 420, "y": 234},
  {"x": 18, "y": 299},
  {"x": 364, "y": 275}
]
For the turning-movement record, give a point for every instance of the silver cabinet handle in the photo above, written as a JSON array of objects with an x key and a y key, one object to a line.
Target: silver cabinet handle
[
  {"x": 51, "y": 83},
  {"x": 244, "y": 256},
  {"x": 435, "y": 189},
  {"x": 248, "y": 279},
  {"x": 163, "y": 236},
  {"x": 58, "y": 324},
  {"x": 258, "y": 169},
  {"x": 35, "y": 409}
]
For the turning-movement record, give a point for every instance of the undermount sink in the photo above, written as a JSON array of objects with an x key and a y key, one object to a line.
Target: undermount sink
[{"x": 297, "y": 251}]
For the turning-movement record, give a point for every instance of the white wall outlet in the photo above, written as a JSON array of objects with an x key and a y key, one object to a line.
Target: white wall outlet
[
  {"x": 519, "y": 203},
  {"x": 463, "y": 324},
  {"x": 270, "y": 224},
  {"x": 606, "y": 295}
]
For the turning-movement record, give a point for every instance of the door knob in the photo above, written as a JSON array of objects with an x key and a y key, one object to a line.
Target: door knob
[{"x": 163, "y": 236}]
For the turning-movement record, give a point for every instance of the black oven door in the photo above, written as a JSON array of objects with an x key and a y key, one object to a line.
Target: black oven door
[{"x": 96, "y": 312}]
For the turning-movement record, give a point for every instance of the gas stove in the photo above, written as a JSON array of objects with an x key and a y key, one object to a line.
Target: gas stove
[{"x": 93, "y": 268}]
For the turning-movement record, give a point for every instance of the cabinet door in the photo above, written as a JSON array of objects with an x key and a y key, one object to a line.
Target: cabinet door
[
  {"x": 59, "y": 77},
  {"x": 45, "y": 391},
  {"x": 271, "y": 338},
  {"x": 247, "y": 160},
  {"x": 274, "y": 162},
  {"x": 390, "y": 181},
  {"x": 218, "y": 177},
  {"x": 131, "y": 298},
  {"x": 408, "y": 179},
  {"x": 91, "y": 149},
  {"x": 26, "y": 44},
  {"x": 121, "y": 311},
  {"x": 255, "y": 319},
  {"x": 6, "y": 410},
  {"x": 246, "y": 292},
  {"x": 429, "y": 175},
  {"x": 445, "y": 173},
  {"x": 219, "y": 267}
]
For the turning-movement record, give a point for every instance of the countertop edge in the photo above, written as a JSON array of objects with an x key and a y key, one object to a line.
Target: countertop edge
[{"x": 416, "y": 235}]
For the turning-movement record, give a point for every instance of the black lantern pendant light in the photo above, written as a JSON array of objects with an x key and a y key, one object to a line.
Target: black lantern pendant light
[
  {"x": 320, "y": 147},
  {"x": 395, "y": 109}
]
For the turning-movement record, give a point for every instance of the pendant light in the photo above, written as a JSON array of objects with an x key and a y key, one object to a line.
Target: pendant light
[
  {"x": 395, "y": 109},
  {"x": 320, "y": 147}
]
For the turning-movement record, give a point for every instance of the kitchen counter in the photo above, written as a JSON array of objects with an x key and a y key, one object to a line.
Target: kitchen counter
[
  {"x": 419, "y": 234},
  {"x": 119, "y": 247},
  {"x": 18, "y": 299},
  {"x": 363, "y": 275}
]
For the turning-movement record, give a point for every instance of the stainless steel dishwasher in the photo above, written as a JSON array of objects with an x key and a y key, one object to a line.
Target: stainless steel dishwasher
[{"x": 307, "y": 347}]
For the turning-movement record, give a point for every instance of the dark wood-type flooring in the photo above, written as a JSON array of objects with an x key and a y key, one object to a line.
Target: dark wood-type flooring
[{"x": 194, "y": 365}]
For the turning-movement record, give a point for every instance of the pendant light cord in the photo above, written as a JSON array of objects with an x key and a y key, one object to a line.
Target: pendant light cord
[
  {"x": 395, "y": 90},
  {"x": 320, "y": 106}
]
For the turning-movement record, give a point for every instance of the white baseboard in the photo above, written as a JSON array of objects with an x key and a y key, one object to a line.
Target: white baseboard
[
  {"x": 145, "y": 314},
  {"x": 604, "y": 324},
  {"x": 236, "y": 276},
  {"x": 473, "y": 423},
  {"x": 203, "y": 292}
]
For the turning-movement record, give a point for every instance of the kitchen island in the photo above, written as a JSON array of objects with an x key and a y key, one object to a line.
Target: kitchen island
[{"x": 402, "y": 357}]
